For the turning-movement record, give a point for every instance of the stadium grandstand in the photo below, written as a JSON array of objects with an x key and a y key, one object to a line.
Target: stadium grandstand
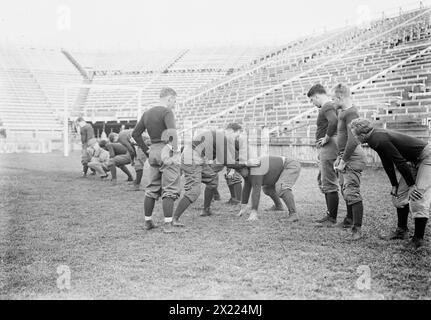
[{"x": 387, "y": 62}]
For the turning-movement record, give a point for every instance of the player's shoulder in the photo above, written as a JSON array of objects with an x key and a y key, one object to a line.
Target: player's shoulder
[
  {"x": 329, "y": 106},
  {"x": 379, "y": 137}
]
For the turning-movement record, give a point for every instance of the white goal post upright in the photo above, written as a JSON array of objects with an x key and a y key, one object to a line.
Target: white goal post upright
[{"x": 66, "y": 109}]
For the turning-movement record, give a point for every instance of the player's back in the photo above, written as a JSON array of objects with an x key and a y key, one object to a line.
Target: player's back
[
  {"x": 157, "y": 120},
  {"x": 270, "y": 168},
  {"x": 116, "y": 149}
]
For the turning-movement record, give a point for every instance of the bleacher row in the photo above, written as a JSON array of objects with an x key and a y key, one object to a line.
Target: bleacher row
[
  {"x": 31, "y": 91},
  {"x": 386, "y": 62},
  {"x": 274, "y": 99}
]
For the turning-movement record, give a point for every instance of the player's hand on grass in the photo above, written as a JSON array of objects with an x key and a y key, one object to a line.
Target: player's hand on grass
[
  {"x": 243, "y": 210},
  {"x": 253, "y": 216},
  {"x": 415, "y": 194}
]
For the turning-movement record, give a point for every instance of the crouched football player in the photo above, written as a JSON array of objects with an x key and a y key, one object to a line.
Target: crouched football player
[
  {"x": 412, "y": 158},
  {"x": 119, "y": 157},
  {"x": 99, "y": 158},
  {"x": 276, "y": 175}
]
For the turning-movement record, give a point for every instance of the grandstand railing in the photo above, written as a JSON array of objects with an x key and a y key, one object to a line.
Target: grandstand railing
[
  {"x": 353, "y": 88},
  {"x": 298, "y": 76}
]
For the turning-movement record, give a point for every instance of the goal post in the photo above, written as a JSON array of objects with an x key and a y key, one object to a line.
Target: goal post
[{"x": 133, "y": 103}]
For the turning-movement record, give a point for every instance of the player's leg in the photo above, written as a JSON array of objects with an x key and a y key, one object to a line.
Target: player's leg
[
  {"x": 97, "y": 166},
  {"x": 421, "y": 208},
  {"x": 209, "y": 178},
  {"x": 234, "y": 183},
  {"x": 217, "y": 196},
  {"x": 112, "y": 166},
  {"x": 192, "y": 190},
  {"x": 237, "y": 185},
  {"x": 171, "y": 175},
  {"x": 285, "y": 184},
  {"x": 139, "y": 168},
  {"x": 121, "y": 161},
  {"x": 348, "y": 220},
  {"x": 270, "y": 192},
  {"x": 330, "y": 189},
  {"x": 153, "y": 188},
  {"x": 217, "y": 168},
  {"x": 401, "y": 203},
  {"x": 84, "y": 159},
  {"x": 152, "y": 193},
  {"x": 353, "y": 198}
]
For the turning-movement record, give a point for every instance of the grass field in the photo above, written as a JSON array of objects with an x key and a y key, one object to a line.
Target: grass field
[{"x": 51, "y": 217}]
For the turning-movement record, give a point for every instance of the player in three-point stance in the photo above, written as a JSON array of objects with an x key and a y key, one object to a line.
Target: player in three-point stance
[
  {"x": 119, "y": 156},
  {"x": 276, "y": 176},
  {"x": 217, "y": 146}
]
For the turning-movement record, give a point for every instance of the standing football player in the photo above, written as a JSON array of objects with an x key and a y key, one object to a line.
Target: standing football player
[
  {"x": 87, "y": 133},
  {"x": 326, "y": 143},
  {"x": 165, "y": 172},
  {"x": 350, "y": 162}
]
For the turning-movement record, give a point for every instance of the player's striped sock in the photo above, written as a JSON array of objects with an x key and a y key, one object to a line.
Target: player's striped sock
[{"x": 148, "y": 218}]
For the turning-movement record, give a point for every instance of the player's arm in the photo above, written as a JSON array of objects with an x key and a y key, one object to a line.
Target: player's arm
[
  {"x": 256, "y": 184},
  {"x": 392, "y": 156},
  {"x": 171, "y": 128},
  {"x": 246, "y": 190},
  {"x": 111, "y": 150},
  {"x": 352, "y": 143},
  {"x": 83, "y": 136},
  {"x": 137, "y": 135},
  {"x": 331, "y": 116}
]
